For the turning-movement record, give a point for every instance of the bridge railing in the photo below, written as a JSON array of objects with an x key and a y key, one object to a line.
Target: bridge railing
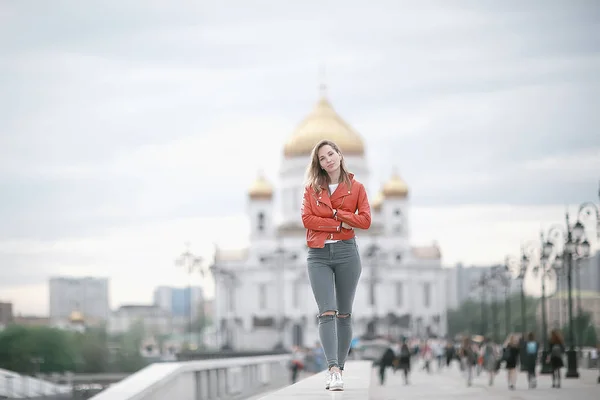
[
  {"x": 13, "y": 385},
  {"x": 224, "y": 379}
]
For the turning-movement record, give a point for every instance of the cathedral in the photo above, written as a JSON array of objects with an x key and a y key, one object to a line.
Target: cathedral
[{"x": 263, "y": 299}]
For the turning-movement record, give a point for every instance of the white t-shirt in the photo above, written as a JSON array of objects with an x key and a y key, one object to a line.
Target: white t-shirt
[{"x": 332, "y": 188}]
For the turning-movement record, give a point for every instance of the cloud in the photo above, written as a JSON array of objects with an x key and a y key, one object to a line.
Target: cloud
[{"x": 126, "y": 118}]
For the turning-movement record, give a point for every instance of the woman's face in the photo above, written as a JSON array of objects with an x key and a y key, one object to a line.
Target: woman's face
[{"x": 329, "y": 159}]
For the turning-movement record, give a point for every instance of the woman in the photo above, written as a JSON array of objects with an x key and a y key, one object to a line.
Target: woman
[
  {"x": 468, "y": 358},
  {"x": 490, "y": 359},
  {"x": 334, "y": 204},
  {"x": 427, "y": 354},
  {"x": 512, "y": 357},
  {"x": 530, "y": 359},
  {"x": 386, "y": 361},
  {"x": 557, "y": 350},
  {"x": 404, "y": 360},
  {"x": 450, "y": 353},
  {"x": 297, "y": 363}
]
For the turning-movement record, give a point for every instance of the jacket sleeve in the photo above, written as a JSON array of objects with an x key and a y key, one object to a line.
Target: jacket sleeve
[
  {"x": 311, "y": 221},
  {"x": 362, "y": 220}
]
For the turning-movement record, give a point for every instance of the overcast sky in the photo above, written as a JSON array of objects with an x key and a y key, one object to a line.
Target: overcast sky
[{"x": 130, "y": 127}]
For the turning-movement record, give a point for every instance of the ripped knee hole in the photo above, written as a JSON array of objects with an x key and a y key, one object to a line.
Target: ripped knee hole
[{"x": 331, "y": 313}]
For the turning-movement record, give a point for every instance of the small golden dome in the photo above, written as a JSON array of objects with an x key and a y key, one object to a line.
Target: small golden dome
[
  {"x": 76, "y": 317},
  {"x": 323, "y": 123},
  {"x": 260, "y": 189},
  {"x": 377, "y": 202},
  {"x": 395, "y": 187}
]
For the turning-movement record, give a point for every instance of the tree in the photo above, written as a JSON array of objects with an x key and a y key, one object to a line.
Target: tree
[
  {"x": 468, "y": 318},
  {"x": 20, "y": 346},
  {"x": 29, "y": 350},
  {"x": 128, "y": 357},
  {"x": 465, "y": 319},
  {"x": 584, "y": 329},
  {"x": 91, "y": 347}
]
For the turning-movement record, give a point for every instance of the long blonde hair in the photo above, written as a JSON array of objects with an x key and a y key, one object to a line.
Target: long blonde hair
[{"x": 317, "y": 177}]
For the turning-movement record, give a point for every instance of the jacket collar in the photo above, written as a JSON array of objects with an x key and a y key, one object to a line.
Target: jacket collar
[{"x": 341, "y": 191}]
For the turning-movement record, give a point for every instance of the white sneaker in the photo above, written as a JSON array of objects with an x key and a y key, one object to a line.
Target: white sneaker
[
  {"x": 328, "y": 379},
  {"x": 336, "y": 383}
]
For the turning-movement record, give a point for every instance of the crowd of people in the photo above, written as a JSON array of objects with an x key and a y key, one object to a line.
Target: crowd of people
[{"x": 475, "y": 356}]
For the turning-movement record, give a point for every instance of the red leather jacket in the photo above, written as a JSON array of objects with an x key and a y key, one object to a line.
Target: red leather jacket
[{"x": 352, "y": 207}]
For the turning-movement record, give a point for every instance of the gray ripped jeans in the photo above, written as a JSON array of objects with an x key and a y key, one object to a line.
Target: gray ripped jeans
[{"x": 334, "y": 272}]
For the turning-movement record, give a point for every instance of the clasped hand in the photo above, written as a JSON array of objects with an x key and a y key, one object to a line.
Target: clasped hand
[{"x": 344, "y": 225}]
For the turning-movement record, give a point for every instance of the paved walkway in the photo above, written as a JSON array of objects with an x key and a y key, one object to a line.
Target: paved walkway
[{"x": 449, "y": 384}]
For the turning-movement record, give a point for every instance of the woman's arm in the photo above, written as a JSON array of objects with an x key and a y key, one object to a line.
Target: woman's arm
[
  {"x": 313, "y": 222},
  {"x": 362, "y": 220}
]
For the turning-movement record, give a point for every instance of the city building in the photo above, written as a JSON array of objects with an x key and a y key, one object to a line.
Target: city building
[
  {"x": 88, "y": 296},
  {"x": 587, "y": 273},
  {"x": 462, "y": 280},
  {"x": 177, "y": 301},
  {"x": 6, "y": 314},
  {"x": 153, "y": 320},
  {"x": 76, "y": 322},
  {"x": 28, "y": 320},
  {"x": 557, "y": 308},
  {"x": 262, "y": 293}
]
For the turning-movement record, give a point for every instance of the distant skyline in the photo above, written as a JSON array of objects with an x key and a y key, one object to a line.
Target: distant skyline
[{"x": 129, "y": 128}]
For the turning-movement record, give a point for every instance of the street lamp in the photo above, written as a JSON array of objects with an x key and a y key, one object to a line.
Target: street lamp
[
  {"x": 190, "y": 263},
  {"x": 517, "y": 268},
  {"x": 574, "y": 246},
  {"x": 546, "y": 269},
  {"x": 491, "y": 285},
  {"x": 280, "y": 256},
  {"x": 229, "y": 279},
  {"x": 586, "y": 211},
  {"x": 482, "y": 283},
  {"x": 373, "y": 254},
  {"x": 502, "y": 275}
]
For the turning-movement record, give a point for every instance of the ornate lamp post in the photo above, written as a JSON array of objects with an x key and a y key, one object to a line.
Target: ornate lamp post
[
  {"x": 229, "y": 280},
  {"x": 281, "y": 256},
  {"x": 574, "y": 245},
  {"x": 190, "y": 264},
  {"x": 586, "y": 211},
  {"x": 517, "y": 268},
  {"x": 503, "y": 277},
  {"x": 547, "y": 269},
  {"x": 482, "y": 283},
  {"x": 374, "y": 255},
  {"x": 492, "y": 286}
]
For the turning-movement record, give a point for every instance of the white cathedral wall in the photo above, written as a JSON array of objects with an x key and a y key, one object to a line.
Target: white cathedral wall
[
  {"x": 247, "y": 294},
  {"x": 285, "y": 207},
  {"x": 396, "y": 227}
]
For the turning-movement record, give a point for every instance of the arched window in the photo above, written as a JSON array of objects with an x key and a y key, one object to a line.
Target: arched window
[{"x": 261, "y": 221}]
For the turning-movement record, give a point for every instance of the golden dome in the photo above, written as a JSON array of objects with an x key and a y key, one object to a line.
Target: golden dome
[
  {"x": 323, "y": 123},
  {"x": 260, "y": 189},
  {"x": 377, "y": 201},
  {"x": 395, "y": 187},
  {"x": 76, "y": 316}
]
